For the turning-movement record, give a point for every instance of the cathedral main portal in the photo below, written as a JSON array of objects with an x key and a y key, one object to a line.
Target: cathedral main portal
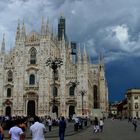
[{"x": 31, "y": 108}]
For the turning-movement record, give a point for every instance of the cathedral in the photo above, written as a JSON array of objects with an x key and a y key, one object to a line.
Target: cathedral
[{"x": 39, "y": 76}]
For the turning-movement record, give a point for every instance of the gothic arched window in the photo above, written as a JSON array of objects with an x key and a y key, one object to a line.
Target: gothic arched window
[
  {"x": 9, "y": 92},
  {"x": 95, "y": 96},
  {"x": 71, "y": 91},
  {"x": 10, "y": 76},
  {"x": 54, "y": 91},
  {"x": 33, "y": 56},
  {"x": 32, "y": 79}
]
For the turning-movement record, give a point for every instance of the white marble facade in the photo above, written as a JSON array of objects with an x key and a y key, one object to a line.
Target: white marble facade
[{"x": 26, "y": 82}]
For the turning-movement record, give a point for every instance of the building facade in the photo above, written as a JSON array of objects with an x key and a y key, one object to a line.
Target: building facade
[
  {"x": 26, "y": 83},
  {"x": 133, "y": 102}
]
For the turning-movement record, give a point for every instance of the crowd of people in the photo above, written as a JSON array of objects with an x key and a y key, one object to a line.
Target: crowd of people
[{"x": 17, "y": 127}]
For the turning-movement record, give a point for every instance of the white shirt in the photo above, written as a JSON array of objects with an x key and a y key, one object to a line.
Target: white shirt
[
  {"x": 37, "y": 131},
  {"x": 101, "y": 123},
  {"x": 15, "y": 133},
  {"x": 49, "y": 122}
]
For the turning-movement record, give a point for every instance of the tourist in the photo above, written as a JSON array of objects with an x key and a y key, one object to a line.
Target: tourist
[
  {"x": 15, "y": 132},
  {"x": 76, "y": 124},
  {"x": 37, "y": 130},
  {"x": 50, "y": 123},
  {"x": 134, "y": 122},
  {"x": 96, "y": 125},
  {"x": 62, "y": 127},
  {"x": 1, "y": 133},
  {"x": 101, "y": 124}
]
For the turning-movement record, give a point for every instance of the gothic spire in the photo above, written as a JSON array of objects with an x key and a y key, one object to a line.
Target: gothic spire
[
  {"x": 43, "y": 27},
  {"x": 52, "y": 35},
  {"x": 47, "y": 27},
  {"x": 23, "y": 31},
  {"x": 101, "y": 58},
  {"x": 3, "y": 44},
  {"x": 79, "y": 54},
  {"x": 18, "y": 31},
  {"x": 85, "y": 54}
]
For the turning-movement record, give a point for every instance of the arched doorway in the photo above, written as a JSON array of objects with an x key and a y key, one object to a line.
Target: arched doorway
[
  {"x": 31, "y": 108},
  {"x": 71, "y": 111},
  {"x": 8, "y": 111}
]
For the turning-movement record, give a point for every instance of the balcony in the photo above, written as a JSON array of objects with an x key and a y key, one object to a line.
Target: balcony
[
  {"x": 71, "y": 100},
  {"x": 31, "y": 88},
  {"x": 32, "y": 66}
]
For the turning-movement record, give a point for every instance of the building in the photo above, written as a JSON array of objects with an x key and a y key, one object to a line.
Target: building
[
  {"x": 27, "y": 84},
  {"x": 133, "y": 102},
  {"x": 122, "y": 109},
  {"x": 113, "y": 112}
]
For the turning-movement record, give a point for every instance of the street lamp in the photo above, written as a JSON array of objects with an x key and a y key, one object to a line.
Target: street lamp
[
  {"x": 54, "y": 64},
  {"x": 82, "y": 95}
]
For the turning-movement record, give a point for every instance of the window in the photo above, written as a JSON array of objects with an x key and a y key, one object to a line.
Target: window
[
  {"x": 33, "y": 56},
  {"x": 137, "y": 114},
  {"x": 136, "y": 106},
  {"x": 71, "y": 91},
  {"x": 135, "y": 97},
  {"x": 9, "y": 92},
  {"x": 129, "y": 106},
  {"x": 32, "y": 79},
  {"x": 95, "y": 96},
  {"x": 56, "y": 75},
  {"x": 54, "y": 91},
  {"x": 10, "y": 76}
]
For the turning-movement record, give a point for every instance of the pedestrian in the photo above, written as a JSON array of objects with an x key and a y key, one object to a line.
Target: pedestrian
[
  {"x": 37, "y": 130},
  {"x": 101, "y": 125},
  {"x": 62, "y": 127},
  {"x": 1, "y": 133},
  {"x": 76, "y": 124},
  {"x": 96, "y": 125},
  {"x": 50, "y": 123},
  {"x": 15, "y": 132},
  {"x": 134, "y": 122}
]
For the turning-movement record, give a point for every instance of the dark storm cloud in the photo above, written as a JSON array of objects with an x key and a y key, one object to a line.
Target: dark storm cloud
[{"x": 110, "y": 26}]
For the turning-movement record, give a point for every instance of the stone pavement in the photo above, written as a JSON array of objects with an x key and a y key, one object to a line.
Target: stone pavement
[{"x": 113, "y": 130}]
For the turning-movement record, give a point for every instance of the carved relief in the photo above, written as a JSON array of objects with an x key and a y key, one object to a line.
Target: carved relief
[{"x": 33, "y": 39}]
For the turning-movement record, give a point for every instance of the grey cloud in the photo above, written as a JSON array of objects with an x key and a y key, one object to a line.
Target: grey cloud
[{"x": 86, "y": 20}]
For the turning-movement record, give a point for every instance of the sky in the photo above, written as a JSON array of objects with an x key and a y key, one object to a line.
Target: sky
[{"x": 108, "y": 26}]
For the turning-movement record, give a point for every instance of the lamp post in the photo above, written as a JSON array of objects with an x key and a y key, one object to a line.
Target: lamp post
[
  {"x": 54, "y": 64},
  {"x": 82, "y": 95}
]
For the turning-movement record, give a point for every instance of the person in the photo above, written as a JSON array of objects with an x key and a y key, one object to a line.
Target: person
[
  {"x": 23, "y": 125},
  {"x": 101, "y": 125},
  {"x": 37, "y": 130},
  {"x": 1, "y": 133},
  {"x": 62, "y": 127},
  {"x": 134, "y": 122},
  {"x": 50, "y": 123},
  {"x": 96, "y": 125},
  {"x": 15, "y": 132},
  {"x": 76, "y": 124}
]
